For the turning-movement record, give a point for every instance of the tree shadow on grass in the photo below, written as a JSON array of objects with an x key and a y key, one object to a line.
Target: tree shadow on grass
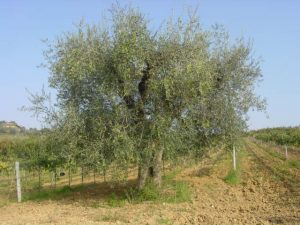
[
  {"x": 88, "y": 192},
  {"x": 114, "y": 194}
]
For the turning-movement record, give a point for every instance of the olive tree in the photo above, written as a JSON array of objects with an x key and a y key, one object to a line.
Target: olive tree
[{"x": 127, "y": 95}]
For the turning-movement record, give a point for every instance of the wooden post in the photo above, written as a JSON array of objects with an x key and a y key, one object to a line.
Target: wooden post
[
  {"x": 104, "y": 174},
  {"x": 39, "y": 178},
  {"x": 55, "y": 178},
  {"x": 286, "y": 153},
  {"x": 94, "y": 176},
  {"x": 52, "y": 179},
  {"x": 81, "y": 175},
  {"x": 69, "y": 176},
  {"x": 234, "y": 158},
  {"x": 163, "y": 162},
  {"x": 19, "y": 195}
]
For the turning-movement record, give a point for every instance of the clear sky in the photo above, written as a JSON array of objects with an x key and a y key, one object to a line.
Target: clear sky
[{"x": 273, "y": 25}]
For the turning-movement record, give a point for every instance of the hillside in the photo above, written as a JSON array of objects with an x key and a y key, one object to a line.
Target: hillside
[{"x": 11, "y": 128}]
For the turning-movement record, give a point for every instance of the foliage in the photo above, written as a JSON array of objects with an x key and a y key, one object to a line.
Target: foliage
[
  {"x": 280, "y": 135},
  {"x": 128, "y": 95},
  {"x": 3, "y": 166}
]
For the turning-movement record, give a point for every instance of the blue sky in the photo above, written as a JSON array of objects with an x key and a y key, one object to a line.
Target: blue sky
[{"x": 273, "y": 25}]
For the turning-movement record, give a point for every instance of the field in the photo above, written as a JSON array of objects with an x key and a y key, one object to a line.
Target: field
[
  {"x": 289, "y": 136},
  {"x": 264, "y": 190}
]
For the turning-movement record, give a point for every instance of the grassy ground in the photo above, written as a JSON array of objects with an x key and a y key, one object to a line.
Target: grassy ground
[
  {"x": 234, "y": 177},
  {"x": 115, "y": 195},
  {"x": 172, "y": 191},
  {"x": 206, "y": 193}
]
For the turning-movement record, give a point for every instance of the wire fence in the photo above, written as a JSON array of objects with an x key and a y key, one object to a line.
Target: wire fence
[
  {"x": 35, "y": 180},
  {"x": 285, "y": 151},
  {"x": 38, "y": 180}
]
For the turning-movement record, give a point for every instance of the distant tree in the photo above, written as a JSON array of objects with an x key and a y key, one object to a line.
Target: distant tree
[
  {"x": 6, "y": 146},
  {"x": 129, "y": 95}
]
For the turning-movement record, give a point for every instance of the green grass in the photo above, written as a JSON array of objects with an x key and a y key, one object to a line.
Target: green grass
[
  {"x": 287, "y": 163},
  {"x": 55, "y": 194},
  {"x": 116, "y": 201},
  {"x": 232, "y": 177},
  {"x": 294, "y": 164},
  {"x": 276, "y": 155},
  {"x": 164, "y": 221},
  {"x": 172, "y": 191}
]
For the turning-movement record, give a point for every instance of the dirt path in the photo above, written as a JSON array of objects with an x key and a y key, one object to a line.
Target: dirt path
[{"x": 264, "y": 196}]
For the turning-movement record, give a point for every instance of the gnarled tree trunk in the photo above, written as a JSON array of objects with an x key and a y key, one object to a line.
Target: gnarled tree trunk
[
  {"x": 142, "y": 175},
  {"x": 152, "y": 170}
]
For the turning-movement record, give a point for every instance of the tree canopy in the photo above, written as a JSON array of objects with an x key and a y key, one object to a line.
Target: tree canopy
[{"x": 129, "y": 95}]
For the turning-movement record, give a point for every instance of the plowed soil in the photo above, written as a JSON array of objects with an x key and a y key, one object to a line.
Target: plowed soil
[{"x": 268, "y": 193}]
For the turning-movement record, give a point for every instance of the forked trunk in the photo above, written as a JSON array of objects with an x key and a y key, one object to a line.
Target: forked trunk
[{"x": 152, "y": 170}]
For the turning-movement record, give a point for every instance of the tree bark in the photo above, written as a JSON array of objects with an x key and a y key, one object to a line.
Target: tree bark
[
  {"x": 157, "y": 168},
  {"x": 152, "y": 170},
  {"x": 142, "y": 175}
]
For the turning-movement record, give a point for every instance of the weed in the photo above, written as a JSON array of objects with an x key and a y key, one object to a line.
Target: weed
[
  {"x": 294, "y": 164},
  {"x": 276, "y": 155},
  {"x": 116, "y": 201},
  {"x": 113, "y": 218},
  {"x": 182, "y": 192},
  {"x": 172, "y": 191},
  {"x": 164, "y": 221},
  {"x": 171, "y": 175},
  {"x": 149, "y": 193},
  {"x": 232, "y": 177}
]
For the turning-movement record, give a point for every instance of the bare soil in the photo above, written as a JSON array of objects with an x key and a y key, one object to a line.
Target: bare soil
[{"x": 268, "y": 193}]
